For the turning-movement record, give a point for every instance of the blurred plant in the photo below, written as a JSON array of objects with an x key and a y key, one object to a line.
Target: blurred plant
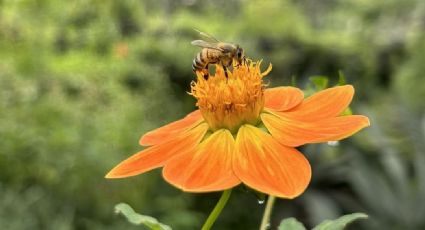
[
  {"x": 393, "y": 168},
  {"x": 137, "y": 219},
  {"x": 338, "y": 224}
]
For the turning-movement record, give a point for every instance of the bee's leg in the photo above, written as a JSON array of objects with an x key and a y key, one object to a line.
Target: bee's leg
[
  {"x": 206, "y": 75},
  {"x": 206, "y": 72},
  {"x": 242, "y": 62},
  {"x": 225, "y": 71}
]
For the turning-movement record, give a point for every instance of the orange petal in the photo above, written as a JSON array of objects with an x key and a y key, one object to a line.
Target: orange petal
[
  {"x": 269, "y": 167},
  {"x": 283, "y": 98},
  {"x": 156, "y": 156},
  {"x": 294, "y": 133},
  {"x": 169, "y": 131},
  {"x": 206, "y": 168},
  {"x": 324, "y": 104}
]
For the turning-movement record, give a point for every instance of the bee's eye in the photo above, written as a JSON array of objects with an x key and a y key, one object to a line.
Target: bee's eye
[{"x": 239, "y": 53}]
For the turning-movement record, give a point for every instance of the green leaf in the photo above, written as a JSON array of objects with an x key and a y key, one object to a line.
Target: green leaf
[
  {"x": 340, "y": 223},
  {"x": 294, "y": 81},
  {"x": 291, "y": 224},
  {"x": 319, "y": 82},
  {"x": 341, "y": 79},
  {"x": 138, "y": 219},
  {"x": 346, "y": 112}
]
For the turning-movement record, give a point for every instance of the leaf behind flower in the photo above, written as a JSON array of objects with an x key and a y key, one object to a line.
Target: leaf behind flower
[
  {"x": 340, "y": 223},
  {"x": 291, "y": 224},
  {"x": 138, "y": 219}
]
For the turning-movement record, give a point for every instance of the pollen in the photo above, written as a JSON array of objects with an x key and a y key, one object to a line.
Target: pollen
[{"x": 233, "y": 100}]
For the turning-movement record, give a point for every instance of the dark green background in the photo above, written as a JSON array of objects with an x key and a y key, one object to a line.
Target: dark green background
[{"x": 80, "y": 81}]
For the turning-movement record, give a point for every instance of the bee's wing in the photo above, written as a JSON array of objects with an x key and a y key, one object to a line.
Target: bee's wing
[
  {"x": 207, "y": 36},
  {"x": 204, "y": 44}
]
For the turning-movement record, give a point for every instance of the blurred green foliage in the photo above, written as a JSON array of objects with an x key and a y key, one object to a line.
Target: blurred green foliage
[
  {"x": 80, "y": 81},
  {"x": 338, "y": 224},
  {"x": 138, "y": 219}
]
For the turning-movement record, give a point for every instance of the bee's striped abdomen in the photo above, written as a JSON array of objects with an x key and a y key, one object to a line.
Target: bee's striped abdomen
[{"x": 198, "y": 62}]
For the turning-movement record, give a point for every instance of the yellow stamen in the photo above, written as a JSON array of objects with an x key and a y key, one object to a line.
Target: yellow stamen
[{"x": 231, "y": 102}]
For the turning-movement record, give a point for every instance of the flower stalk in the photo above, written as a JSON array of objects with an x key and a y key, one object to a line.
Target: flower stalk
[
  {"x": 267, "y": 213},
  {"x": 217, "y": 209}
]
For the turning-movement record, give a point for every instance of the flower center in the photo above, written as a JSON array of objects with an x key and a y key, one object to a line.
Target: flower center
[{"x": 229, "y": 102}]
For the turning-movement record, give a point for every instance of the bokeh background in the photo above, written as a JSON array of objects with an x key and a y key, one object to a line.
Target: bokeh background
[{"x": 80, "y": 81}]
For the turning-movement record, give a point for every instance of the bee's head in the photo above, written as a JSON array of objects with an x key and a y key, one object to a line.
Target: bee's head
[{"x": 240, "y": 55}]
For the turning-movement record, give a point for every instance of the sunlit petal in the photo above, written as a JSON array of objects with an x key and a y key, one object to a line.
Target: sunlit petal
[
  {"x": 324, "y": 104},
  {"x": 206, "y": 168},
  {"x": 169, "y": 131},
  {"x": 283, "y": 98},
  {"x": 156, "y": 156},
  {"x": 292, "y": 132},
  {"x": 269, "y": 167}
]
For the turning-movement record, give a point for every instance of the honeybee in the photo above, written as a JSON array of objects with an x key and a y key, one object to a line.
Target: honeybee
[{"x": 215, "y": 52}]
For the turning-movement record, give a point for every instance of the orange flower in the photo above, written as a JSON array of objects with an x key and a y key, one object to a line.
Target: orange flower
[{"x": 244, "y": 133}]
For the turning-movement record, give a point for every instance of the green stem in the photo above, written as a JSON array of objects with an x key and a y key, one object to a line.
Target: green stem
[
  {"x": 217, "y": 209},
  {"x": 267, "y": 213}
]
